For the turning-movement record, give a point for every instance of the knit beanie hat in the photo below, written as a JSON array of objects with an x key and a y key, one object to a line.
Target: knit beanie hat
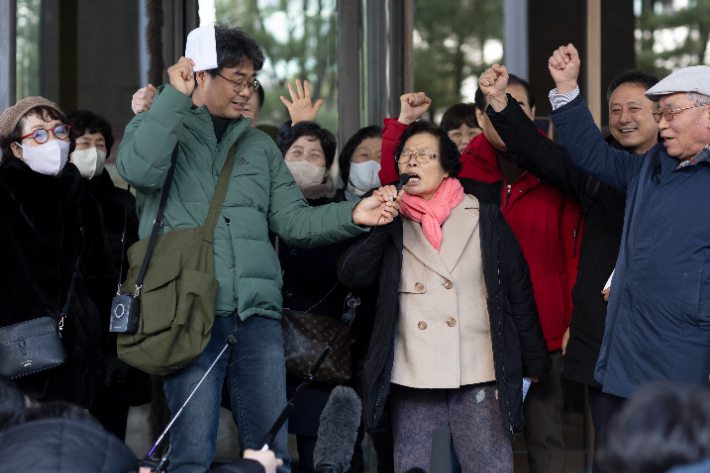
[{"x": 12, "y": 115}]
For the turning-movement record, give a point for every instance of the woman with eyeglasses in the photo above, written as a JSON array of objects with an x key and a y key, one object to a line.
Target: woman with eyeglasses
[
  {"x": 456, "y": 325},
  {"x": 42, "y": 236}
]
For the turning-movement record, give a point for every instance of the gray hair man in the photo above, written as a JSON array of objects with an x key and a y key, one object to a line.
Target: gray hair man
[{"x": 658, "y": 321}]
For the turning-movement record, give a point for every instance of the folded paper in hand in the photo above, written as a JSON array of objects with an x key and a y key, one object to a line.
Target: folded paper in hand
[{"x": 201, "y": 47}]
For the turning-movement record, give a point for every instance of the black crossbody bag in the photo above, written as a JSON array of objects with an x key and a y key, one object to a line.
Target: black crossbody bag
[{"x": 36, "y": 345}]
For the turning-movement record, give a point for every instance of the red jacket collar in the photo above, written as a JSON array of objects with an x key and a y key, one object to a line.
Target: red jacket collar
[{"x": 481, "y": 154}]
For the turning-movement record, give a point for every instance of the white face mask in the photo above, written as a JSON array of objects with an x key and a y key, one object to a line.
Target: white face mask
[
  {"x": 89, "y": 161},
  {"x": 364, "y": 175},
  {"x": 306, "y": 174},
  {"x": 48, "y": 158}
]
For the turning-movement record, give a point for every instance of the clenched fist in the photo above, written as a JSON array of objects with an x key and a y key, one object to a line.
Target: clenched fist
[
  {"x": 413, "y": 106},
  {"x": 181, "y": 76},
  {"x": 493, "y": 83},
  {"x": 564, "y": 67},
  {"x": 143, "y": 99}
]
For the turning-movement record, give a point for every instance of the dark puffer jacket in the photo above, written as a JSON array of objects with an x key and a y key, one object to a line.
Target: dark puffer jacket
[
  {"x": 519, "y": 348},
  {"x": 40, "y": 239},
  {"x": 60, "y": 444}
]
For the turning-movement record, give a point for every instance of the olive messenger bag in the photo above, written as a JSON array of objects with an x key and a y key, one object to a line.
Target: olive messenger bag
[{"x": 172, "y": 277}]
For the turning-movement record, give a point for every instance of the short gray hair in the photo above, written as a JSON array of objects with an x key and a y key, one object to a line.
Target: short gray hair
[{"x": 698, "y": 98}]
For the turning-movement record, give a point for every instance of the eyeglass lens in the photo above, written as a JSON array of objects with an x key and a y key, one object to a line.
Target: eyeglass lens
[{"x": 41, "y": 136}]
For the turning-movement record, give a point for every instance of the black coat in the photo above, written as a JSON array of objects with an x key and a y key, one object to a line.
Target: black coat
[
  {"x": 115, "y": 380},
  {"x": 308, "y": 275},
  {"x": 62, "y": 444},
  {"x": 40, "y": 239},
  {"x": 602, "y": 231},
  {"x": 519, "y": 348}
]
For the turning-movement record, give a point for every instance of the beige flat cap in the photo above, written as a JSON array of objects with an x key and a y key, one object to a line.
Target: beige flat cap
[{"x": 12, "y": 115}]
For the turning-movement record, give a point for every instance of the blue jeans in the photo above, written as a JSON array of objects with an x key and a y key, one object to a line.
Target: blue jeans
[{"x": 256, "y": 376}]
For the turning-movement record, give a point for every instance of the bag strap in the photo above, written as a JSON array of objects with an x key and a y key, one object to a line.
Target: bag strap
[
  {"x": 65, "y": 309},
  {"x": 123, "y": 238},
  {"x": 158, "y": 222},
  {"x": 219, "y": 194}
]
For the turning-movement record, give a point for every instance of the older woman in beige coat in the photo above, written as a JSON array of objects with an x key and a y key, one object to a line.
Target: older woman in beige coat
[{"x": 456, "y": 327}]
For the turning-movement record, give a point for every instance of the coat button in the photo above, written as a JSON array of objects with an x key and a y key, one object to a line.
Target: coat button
[
  {"x": 419, "y": 287},
  {"x": 448, "y": 284},
  {"x": 288, "y": 294},
  {"x": 293, "y": 252},
  {"x": 451, "y": 322},
  {"x": 422, "y": 325}
]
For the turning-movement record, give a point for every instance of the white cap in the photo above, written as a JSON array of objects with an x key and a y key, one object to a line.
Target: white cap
[{"x": 687, "y": 79}]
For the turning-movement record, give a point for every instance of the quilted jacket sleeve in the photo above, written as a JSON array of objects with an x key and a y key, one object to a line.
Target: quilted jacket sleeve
[
  {"x": 144, "y": 155},
  {"x": 299, "y": 224}
]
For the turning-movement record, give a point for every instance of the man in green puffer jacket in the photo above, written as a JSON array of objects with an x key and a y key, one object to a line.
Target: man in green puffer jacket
[{"x": 201, "y": 113}]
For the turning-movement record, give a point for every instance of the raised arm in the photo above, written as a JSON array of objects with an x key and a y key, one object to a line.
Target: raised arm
[
  {"x": 578, "y": 132},
  {"x": 412, "y": 106},
  {"x": 529, "y": 148},
  {"x": 144, "y": 155}
]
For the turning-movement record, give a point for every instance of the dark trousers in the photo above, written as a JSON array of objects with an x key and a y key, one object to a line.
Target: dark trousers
[
  {"x": 543, "y": 421},
  {"x": 603, "y": 406},
  {"x": 473, "y": 416}
]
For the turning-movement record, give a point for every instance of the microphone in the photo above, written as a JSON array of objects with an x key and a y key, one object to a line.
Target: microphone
[
  {"x": 337, "y": 433},
  {"x": 403, "y": 180}
]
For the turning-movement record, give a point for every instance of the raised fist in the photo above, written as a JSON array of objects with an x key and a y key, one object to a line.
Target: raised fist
[
  {"x": 494, "y": 81},
  {"x": 564, "y": 67},
  {"x": 181, "y": 76},
  {"x": 413, "y": 106},
  {"x": 143, "y": 99}
]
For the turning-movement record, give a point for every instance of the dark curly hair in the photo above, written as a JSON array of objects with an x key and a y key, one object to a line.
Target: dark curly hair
[
  {"x": 47, "y": 114},
  {"x": 661, "y": 426},
  {"x": 311, "y": 129},
  {"x": 84, "y": 121},
  {"x": 458, "y": 114},
  {"x": 642, "y": 79},
  {"x": 346, "y": 154},
  {"x": 234, "y": 46},
  {"x": 448, "y": 152},
  {"x": 482, "y": 101}
]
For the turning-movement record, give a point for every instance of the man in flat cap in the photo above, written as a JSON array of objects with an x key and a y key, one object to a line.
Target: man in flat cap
[{"x": 658, "y": 318}]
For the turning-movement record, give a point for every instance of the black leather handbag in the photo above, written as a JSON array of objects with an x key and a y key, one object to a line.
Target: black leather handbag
[{"x": 36, "y": 345}]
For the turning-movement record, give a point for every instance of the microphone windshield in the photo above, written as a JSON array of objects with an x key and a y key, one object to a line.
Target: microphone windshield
[
  {"x": 403, "y": 180},
  {"x": 337, "y": 432}
]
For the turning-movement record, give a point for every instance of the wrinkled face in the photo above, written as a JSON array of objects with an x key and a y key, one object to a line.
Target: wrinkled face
[
  {"x": 518, "y": 92},
  {"x": 220, "y": 95},
  {"x": 307, "y": 148},
  {"x": 463, "y": 135},
  {"x": 91, "y": 140},
  {"x": 251, "y": 109},
  {"x": 631, "y": 120},
  {"x": 370, "y": 149},
  {"x": 32, "y": 123},
  {"x": 689, "y": 132},
  {"x": 424, "y": 179}
]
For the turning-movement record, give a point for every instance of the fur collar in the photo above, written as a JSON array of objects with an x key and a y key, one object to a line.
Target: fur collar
[{"x": 319, "y": 191}]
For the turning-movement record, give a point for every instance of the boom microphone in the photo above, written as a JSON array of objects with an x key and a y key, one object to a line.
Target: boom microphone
[
  {"x": 337, "y": 432},
  {"x": 403, "y": 180}
]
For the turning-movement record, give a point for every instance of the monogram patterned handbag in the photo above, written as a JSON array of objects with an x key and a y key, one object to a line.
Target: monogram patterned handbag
[{"x": 305, "y": 337}]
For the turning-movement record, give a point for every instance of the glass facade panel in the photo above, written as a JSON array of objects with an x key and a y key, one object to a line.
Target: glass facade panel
[
  {"x": 299, "y": 39},
  {"x": 29, "y": 15}
]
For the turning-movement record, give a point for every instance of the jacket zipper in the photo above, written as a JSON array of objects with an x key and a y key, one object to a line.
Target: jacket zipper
[
  {"x": 500, "y": 337},
  {"x": 507, "y": 200}
]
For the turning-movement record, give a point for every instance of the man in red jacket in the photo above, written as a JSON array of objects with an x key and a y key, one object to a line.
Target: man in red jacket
[{"x": 544, "y": 220}]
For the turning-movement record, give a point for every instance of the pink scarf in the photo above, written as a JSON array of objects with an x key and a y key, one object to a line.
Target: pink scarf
[{"x": 433, "y": 213}]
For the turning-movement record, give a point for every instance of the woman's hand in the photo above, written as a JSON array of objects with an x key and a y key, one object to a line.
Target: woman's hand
[
  {"x": 182, "y": 76},
  {"x": 413, "y": 106},
  {"x": 301, "y": 109},
  {"x": 378, "y": 209}
]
